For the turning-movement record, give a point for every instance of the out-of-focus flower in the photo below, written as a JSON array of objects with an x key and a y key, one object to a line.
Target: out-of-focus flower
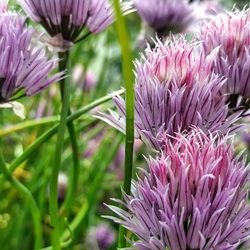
[
  {"x": 89, "y": 81},
  {"x": 175, "y": 89},
  {"x": 85, "y": 79},
  {"x": 68, "y": 21},
  {"x": 102, "y": 237},
  {"x": 62, "y": 186},
  {"x": 194, "y": 197},
  {"x": 4, "y": 6},
  {"x": 105, "y": 236},
  {"x": 164, "y": 16},
  {"x": 230, "y": 31},
  {"x": 24, "y": 68}
]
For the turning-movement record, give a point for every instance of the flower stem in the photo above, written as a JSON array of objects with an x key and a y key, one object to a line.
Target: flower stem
[
  {"x": 30, "y": 199},
  {"x": 129, "y": 82},
  {"x": 74, "y": 172},
  {"x": 47, "y": 135},
  {"x": 53, "y": 199}
]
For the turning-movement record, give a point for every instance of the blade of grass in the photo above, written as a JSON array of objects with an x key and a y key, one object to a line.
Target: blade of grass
[{"x": 129, "y": 83}]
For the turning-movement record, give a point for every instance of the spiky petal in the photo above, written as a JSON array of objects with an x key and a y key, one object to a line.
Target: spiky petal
[
  {"x": 230, "y": 31},
  {"x": 23, "y": 67},
  {"x": 65, "y": 20},
  {"x": 175, "y": 89},
  {"x": 192, "y": 198}
]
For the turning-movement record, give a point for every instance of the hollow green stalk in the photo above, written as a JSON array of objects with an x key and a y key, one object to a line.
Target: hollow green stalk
[
  {"x": 74, "y": 172},
  {"x": 30, "y": 199},
  {"x": 53, "y": 199},
  {"x": 129, "y": 82}
]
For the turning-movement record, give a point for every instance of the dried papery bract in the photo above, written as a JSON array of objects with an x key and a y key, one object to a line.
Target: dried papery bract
[
  {"x": 193, "y": 197},
  {"x": 175, "y": 89},
  {"x": 67, "y": 21},
  {"x": 24, "y": 67},
  {"x": 230, "y": 31}
]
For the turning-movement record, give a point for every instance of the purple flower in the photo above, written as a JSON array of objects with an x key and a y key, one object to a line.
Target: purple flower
[
  {"x": 65, "y": 20},
  {"x": 192, "y": 198},
  {"x": 165, "y": 15},
  {"x": 24, "y": 68},
  {"x": 105, "y": 236},
  {"x": 175, "y": 90},
  {"x": 230, "y": 31},
  {"x": 101, "y": 237}
]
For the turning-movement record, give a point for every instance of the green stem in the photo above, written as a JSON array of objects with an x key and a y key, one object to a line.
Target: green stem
[
  {"x": 30, "y": 199},
  {"x": 28, "y": 124},
  {"x": 47, "y": 135},
  {"x": 91, "y": 196},
  {"x": 53, "y": 199},
  {"x": 74, "y": 172},
  {"x": 129, "y": 81}
]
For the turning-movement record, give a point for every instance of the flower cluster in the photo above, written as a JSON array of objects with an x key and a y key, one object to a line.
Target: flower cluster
[
  {"x": 230, "y": 31},
  {"x": 175, "y": 90},
  {"x": 165, "y": 15},
  {"x": 24, "y": 68},
  {"x": 65, "y": 20},
  {"x": 192, "y": 198}
]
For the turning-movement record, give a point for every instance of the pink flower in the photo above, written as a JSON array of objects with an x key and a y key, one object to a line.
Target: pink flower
[
  {"x": 230, "y": 31},
  {"x": 175, "y": 90},
  {"x": 194, "y": 197}
]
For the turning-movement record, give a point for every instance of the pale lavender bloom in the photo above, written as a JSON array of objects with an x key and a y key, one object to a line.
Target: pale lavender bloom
[
  {"x": 165, "y": 15},
  {"x": 194, "y": 197},
  {"x": 175, "y": 89},
  {"x": 65, "y": 20},
  {"x": 3, "y": 6},
  {"x": 89, "y": 82},
  {"x": 105, "y": 236},
  {"x": 101, "y": 237},
  {"x": 24, "y": 68},
  {"x": 230, "y": 31}
]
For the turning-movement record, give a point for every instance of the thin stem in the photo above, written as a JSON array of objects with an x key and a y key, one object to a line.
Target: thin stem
[
  {"x": 129, "y": 81},
  {"x": 30, "y": 199},
  {"x": 28, "y": 124},
  {"x": 47, "y": 135},
  {"x": 53, "y": 199},
  {"x": 74, "y": 172}
]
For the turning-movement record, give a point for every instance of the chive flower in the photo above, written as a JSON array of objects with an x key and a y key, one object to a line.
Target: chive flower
[
  {"x": 68, "y": 21},
  {"x": 24, "y": 68},
  {"x": 193, "y": 197},
  {"x": 165, "y": 15},
  {"x": 175, "y": 89},
  {"x": 230, "y": 31}
]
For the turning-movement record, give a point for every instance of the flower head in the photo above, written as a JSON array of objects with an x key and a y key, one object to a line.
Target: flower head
[
  {"x": 165, "y": 15},
  {"x": 230, "y": 31},
  {"x": 101, "y": 237},
  {"x": 65, "y": 20},
  {"x": 105, "y": 236},
  {"x": 192, "y": 198},
  {"x": 24, "y": 68},
  {"x": 175, "y": 89}
]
